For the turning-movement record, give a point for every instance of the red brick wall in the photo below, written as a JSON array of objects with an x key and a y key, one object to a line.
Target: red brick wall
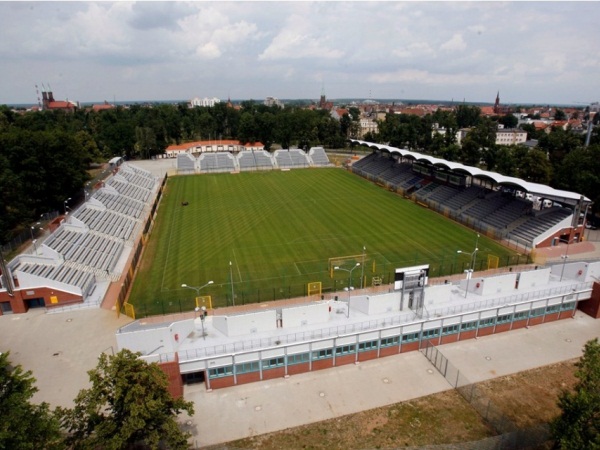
[
  {"x": 592, "y": 306},
  {"x": 345, "y": 359},
  {"x": 365, "y": 356},
  {"x": 174, "y": 375},
  {"x": 298, "y": 368},
  {"x": 322, "y": 364},
  {"x": 268, "y": 374},
  {"x": 247, "y": 377},
  {"x": 19, "y": 305},
  {"x": 217, "y": 383}
]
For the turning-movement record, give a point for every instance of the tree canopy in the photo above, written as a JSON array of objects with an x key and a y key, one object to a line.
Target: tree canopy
[
  {"x": 578, "y": 426},
  {"x": 24, "y": 425},
  {"x": 128, "y": 404}
]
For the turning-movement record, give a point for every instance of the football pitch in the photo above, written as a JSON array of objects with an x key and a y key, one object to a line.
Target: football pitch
[{"x": 262, "y": 236}]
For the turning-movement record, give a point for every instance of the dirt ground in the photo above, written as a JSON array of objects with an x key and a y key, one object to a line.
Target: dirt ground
[{"x": 527, "y": 398}]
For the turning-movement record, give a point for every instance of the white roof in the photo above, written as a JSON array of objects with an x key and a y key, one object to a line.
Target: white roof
[{"x": 535, "y": 188}]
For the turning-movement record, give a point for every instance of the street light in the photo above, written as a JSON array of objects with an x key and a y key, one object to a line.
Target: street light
[
  {"x": 202, "y": 317},
  {"x": 65, "y": 205},
  {"x": 565, "y": 256},
  {"x": 473, "y": 258},
  {"x": 231, "y": 279},
  {"x": 349, "y": 282},
  {"x": 197, "y": 289},
  {"x": 33, "y": 228},
  {"x": 362, "y": 274}
]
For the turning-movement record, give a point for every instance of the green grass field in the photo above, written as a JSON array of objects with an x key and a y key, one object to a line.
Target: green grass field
[{"x": 279, "y": 229}]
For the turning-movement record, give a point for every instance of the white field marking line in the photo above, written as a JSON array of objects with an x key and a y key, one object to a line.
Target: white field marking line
[
  {"x": 237, "y": 265},
  {"x": 296, "y": 266},
  {"x": 162, "y": 284}
]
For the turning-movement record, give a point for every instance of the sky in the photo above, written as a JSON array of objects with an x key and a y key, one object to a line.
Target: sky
[{"x": 530, "y": 52}]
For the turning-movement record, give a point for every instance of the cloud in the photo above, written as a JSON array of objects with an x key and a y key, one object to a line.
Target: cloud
[
  {"x": 456, "y": 43},
  {"x": 297, "y": 40}
]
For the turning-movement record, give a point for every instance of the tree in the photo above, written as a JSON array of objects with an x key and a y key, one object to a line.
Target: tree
[
  {"x": 578, "y": 426},
  {"x": 128, "y": 404},
  {"x": 24, "y": 425}
]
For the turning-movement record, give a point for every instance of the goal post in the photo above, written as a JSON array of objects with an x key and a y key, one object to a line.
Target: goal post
[
  {"x": 204, "y": 300},
  {"x": 129, "y": 310},
  {"x": 347, "y": 261},
  {"x": 493, "y": 262},
  {"x": 314, "y": 287}
]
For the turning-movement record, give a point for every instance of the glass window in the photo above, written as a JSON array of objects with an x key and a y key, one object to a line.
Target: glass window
[
  {"x": 390, "y": 341},
  {"x": 247, "y": 367},
  {"x": 298, "y": 359},
  {"x": 345, "y": 349},
  {"x": 272, "y": 362},
  {"x": 538, "y": 312},
  {"x": 552, "y": 309},
  {"x": 504, "y": 318},
  {"x": 323, "y": 354},
  {"x": 521, "y": 315},
  {"x": 427, "y": 334},
  {"x": 410, "y": 337},
  {"x": 450, "y": 329},
  {"x": 365, "y": 346},
  {"x": 220, "y": 372},
  {"x": 468, "y": 326},
  {"x": 487, "y": 322},
  {"x": 567, "y": 306}
]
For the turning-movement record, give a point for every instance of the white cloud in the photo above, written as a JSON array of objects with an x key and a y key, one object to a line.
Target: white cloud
[
  {"x": 456, "y": 43},
  {"x": 298, "y": 40}
]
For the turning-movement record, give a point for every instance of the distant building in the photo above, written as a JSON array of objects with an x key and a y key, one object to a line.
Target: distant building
[
  {"x": 273, "y": 101},
  {"x": 510, "y": 136},
  {"x": 196, "y": 101},
  {"x": 368, "y": 126},
  {"x": 48, "y": 103},
  {"x": 102, "y": 106}
]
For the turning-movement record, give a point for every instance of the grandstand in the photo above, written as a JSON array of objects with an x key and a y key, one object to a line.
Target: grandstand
[
  {"x": 249, "y": 160},
  {"x": 486, "y": 201},
  {"x": 78, "y": 260}
]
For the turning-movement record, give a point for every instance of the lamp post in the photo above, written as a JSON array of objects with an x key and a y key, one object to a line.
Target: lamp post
[
  {"x": 565, "y": 256},
  {"x": 362, "y": 272},
  {"x": 197, "y": 289},
  {"x": 34, "y": 246},
  {"x": 349, "y": 282},
  {"x": 473, "y": 258},
  {"x": 231, "y": 279},
  {"x": 202, "y": 317},
  {"x": 65, "y": 205}
]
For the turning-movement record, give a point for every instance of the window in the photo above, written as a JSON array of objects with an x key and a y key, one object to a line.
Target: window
[
  {"x": 323, "y": 354},
  {"x": 567, "y": 306},
  {"x": 468, "y": 326},
  {"x": 410, "y": 337},
  {"x": 390, "y": 341},
  {"x": 487, "y": 322},
  {"x": 365, "y": 346},
  {"x": 450, "y": 329},
  {"x": 504, "y": 318},
  {"x": 537, "y": 312},
  {"x": 272, "y": 362},
  {"x": 521, "y": 315},
  {"x": 428, "y": 334},
  {"x": 552, "y": 309},
  {"x": 247, "y": 367},
  {"x": 298, "y": 359},
  {"x": 345, "y": 349},
  {"x": 220, "y": 372}
]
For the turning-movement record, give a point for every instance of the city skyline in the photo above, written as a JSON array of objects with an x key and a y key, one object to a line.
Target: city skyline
[{"x": 531, "y": 52}]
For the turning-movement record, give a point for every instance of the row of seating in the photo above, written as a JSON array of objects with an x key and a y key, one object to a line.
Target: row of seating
[
  {"x": 252, "y": 160},
  {"x": 92, "y": 239},
  {"x": 501, "y": 211}
]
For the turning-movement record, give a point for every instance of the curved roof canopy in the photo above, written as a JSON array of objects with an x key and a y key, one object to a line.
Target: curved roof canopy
[{"x": 516, "y": 183}]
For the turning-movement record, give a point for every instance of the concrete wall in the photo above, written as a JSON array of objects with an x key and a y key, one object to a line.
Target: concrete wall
[
  {"x": 534, "y": 278},
  {"x": 165, "y": 339},
  {"x": 245, "y": 324},
  {"x": 492, "y": 285},
  {"x": 305, "y": 315}
]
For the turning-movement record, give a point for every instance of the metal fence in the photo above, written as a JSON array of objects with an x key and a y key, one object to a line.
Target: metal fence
[{"x": 509, "y": 435}]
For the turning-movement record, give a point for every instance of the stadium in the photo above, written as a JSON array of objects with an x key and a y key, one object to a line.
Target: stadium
[{"x": 366, "y": 254}]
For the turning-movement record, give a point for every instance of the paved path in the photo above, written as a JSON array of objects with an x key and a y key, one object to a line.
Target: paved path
[{"x": 233, "y": 413}]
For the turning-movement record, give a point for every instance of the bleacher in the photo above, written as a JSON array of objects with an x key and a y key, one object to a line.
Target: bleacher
[
  {"x": 217, "y": 162},
  {"x": 119, "y": 203},
  {"x": 485, "y": 206},
  {"x": 107, "y": 222},
  {"x": 318, "y": 156},
  {"x": 63, "y": 273},
  {"x": 124, "y": 187},
  {"x": 536, "y": 225},
  {"x": 255, "y": 160},
  {"x": 186, "y": 162}
]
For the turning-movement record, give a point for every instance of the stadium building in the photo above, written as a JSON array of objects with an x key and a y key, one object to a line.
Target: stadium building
[{"x": 224, "y": 350}]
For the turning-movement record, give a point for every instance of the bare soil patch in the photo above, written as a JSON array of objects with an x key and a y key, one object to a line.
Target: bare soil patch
[{"x": 527, "y": 398}]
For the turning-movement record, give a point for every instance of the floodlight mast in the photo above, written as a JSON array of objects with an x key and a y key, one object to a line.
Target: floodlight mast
[{"x": 349, "y": 288}]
